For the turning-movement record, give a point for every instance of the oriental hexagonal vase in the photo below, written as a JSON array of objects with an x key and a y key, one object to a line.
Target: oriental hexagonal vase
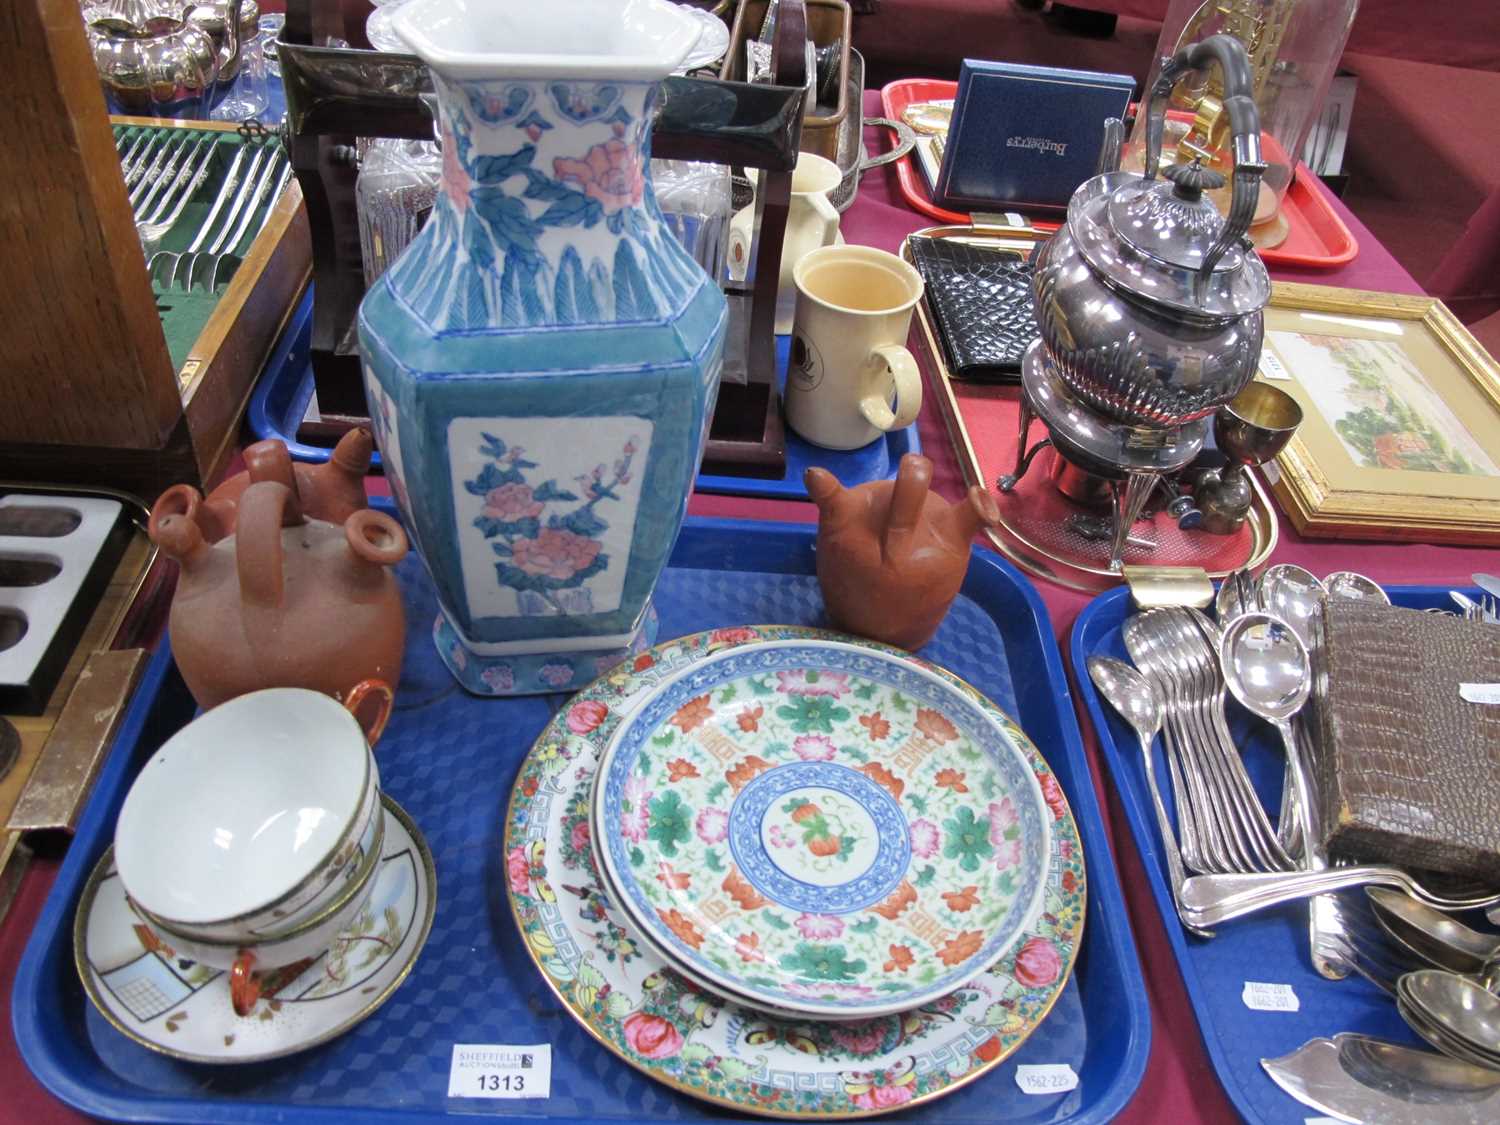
[{"x": 542, "y": 361}]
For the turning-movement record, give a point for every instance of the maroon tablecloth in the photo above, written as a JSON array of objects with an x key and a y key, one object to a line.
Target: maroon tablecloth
[{"x": 1179, "y": 1085}]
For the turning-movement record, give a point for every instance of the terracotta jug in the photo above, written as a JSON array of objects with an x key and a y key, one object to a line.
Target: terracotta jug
[
  {"x": 891, "y": 555},
  {"x": 331, "y": 491},
  {"x": 285, "y": 601}
]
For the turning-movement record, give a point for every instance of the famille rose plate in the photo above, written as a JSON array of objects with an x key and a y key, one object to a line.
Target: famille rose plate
[
  {"x": 182, "y": 1009},
  {"x": 821, "y": 827},
  {"x": 736, "y": 1055}
]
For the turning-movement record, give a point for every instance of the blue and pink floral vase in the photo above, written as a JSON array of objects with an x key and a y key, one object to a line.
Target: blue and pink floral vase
[{"x": 542, "y": 362}]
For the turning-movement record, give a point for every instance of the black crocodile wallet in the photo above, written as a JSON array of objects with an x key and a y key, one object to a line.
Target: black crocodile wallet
[{"x": 981, "y": 301}]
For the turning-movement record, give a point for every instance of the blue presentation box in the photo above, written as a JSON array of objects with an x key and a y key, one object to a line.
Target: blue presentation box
[{"x": 1025, "y": 137}]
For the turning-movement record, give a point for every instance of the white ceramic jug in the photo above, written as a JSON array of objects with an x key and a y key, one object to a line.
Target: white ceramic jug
[{"x": 811, "y": 222}]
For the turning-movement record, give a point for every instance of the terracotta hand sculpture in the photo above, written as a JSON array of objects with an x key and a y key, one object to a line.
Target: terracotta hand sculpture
[
  {"x": 285, "y": 601},
  {"x": 891, "y": 555}
]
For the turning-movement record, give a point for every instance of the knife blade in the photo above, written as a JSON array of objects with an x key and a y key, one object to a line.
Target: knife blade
[
  {"x": 1488, "y": 583},
  {"x": 1360, "y": 1079}
]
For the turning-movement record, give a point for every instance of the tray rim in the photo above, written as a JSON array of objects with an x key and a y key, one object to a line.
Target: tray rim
[
  {"x": 1142, "y": 822},
  {"x": 914, "y": 190},
  {"x": 991, "y": 579}
]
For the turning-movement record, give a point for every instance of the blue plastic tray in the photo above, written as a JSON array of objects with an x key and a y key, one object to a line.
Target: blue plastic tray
[
  {"x": 1270, "y": 946},
  {"x": 280, "y": 400},
  {"x": 450, "y": 759}
]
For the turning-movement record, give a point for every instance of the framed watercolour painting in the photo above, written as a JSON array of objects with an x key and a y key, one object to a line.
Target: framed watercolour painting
[{"x": 1400, "y": 436}]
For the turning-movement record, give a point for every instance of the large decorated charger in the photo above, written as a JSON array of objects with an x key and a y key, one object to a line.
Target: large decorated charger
[
  {"x": 821, "y": 828},
  {"x": 662, "y": 1024}
]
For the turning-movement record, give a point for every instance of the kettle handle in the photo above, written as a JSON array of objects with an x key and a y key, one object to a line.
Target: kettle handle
[{"x": 1244, "y": 123}]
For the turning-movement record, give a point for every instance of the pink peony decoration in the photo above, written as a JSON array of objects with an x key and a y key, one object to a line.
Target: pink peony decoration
[
  {"x": 609, "y": 173},
  {"x": 586, "y": 716},
  {"x": 924, "y": 839},
  {"x": 651, "y": 1037},
  {"x": 1038, "y": 963},
  {"x": 555, "y": 552},
  {"x": 511, "y": 502},
  {"x": 819, "y": 927},
  {"x": 814, "y": 748}
]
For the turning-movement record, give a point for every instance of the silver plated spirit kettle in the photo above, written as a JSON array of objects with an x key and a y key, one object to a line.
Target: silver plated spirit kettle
[
  {"x": 1149, "y": 301},
  {"x": 1149, "y": 304}
]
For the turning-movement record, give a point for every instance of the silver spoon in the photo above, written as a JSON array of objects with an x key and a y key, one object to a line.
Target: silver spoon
[
  {"x": 1355, "y": 587},
  {"x": 1267, "y": 668},
  {"x": 1131, "y": 694},
  {"x": 1293, "y": 594},
  {"x": 1459, "y": 1006},
  {"x": 1418, "y": 1019},
  {"x": 1431, "y": 934},
  {"x": 1236, "y": 596}
]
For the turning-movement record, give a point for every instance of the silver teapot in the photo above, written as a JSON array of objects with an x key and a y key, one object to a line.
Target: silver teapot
[
  {"x": 1148, "y": 300},
  {"x": 154, "y": 60},
  {"x": 1149, "y": 304},
  {"x": 211, "y": 16}
]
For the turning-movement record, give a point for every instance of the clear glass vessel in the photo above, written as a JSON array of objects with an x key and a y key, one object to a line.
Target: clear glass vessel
[
  {"x": 1294, "y": 48},
  {"x": 398, "y": 183}
]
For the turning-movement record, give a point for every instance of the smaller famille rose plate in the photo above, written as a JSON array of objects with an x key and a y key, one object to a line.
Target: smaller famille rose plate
[
  {"x": 182, "y": 1009},
  {"x": 733, "y": 1054},
  {"x": 822, "y": 828}
]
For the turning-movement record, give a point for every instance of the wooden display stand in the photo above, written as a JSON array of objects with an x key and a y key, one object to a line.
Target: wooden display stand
[
  {"x": 89, "y": 391},
  {"x": 336, "y": 94}
]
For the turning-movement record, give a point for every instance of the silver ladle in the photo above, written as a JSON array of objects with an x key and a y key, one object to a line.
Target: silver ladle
[
  {"x": 1293, "y": 594},
  {"x": 1131, "y": 694}
]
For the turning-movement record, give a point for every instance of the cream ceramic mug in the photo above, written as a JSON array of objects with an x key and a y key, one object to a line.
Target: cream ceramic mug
[{"x": 848, "y": 355}]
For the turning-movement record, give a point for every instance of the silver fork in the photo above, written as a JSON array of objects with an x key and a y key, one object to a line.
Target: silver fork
[
  {"x": 1200, "y": 638},
  {"x": 136, "y": 159},
  {"x": 189, "y": 180},
  {"x": 171, "y": 269},
  {"x": 156, "y": 201},
  {"x": 209, "y": 274},
  {"x": 1232, "y": 810},
  {"x": 146, "y": 185},
  {"x": 228, "y": 262}
]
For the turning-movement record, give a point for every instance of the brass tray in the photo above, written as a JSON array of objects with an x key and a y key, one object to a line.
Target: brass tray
[{"x": 1012, "y": 539}]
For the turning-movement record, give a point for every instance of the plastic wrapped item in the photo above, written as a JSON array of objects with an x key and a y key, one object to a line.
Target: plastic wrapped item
[
  {"x": 398, "y": 182},
  {"x": 694, "y": 199},
  {"x": 1294, "y": 48}
]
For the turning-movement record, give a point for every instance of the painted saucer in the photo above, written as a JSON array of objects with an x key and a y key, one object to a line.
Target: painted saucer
[
  {"x": 821, "y": 827},
  {"x": 182, "y": 1009},
  {"x": 729, "y": 1054}
]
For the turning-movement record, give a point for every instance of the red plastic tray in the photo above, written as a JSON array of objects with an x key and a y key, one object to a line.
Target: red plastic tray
[{"x": 1317, "y": 238}]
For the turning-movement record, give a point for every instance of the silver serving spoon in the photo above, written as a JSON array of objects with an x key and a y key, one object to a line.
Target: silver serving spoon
[
  {"x": 1267, "y": 668},
  {"x": 1459, "y": 1006},
  {"x": 1293, "y": 594},
  {"x": 1131, "y": 694},
  {"x": 1431, "y": 934},
  {"x": 1355, "y": 587}
]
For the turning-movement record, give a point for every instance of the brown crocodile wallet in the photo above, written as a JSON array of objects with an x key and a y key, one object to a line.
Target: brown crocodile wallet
[{"x": 1408, "y": 772}]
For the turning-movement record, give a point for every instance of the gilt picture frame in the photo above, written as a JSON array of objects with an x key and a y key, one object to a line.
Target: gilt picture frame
[{"x": 1400, "y": 438}]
